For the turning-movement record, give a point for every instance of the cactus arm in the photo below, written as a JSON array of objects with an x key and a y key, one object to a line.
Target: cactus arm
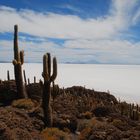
[
  {"x": 52, "y": 78},
  {"x": 45, "y": 67},
  {"x": 22, "y": 57},
  {"x": 14, "y": 62},
  {"x": 49, "y": 64}
]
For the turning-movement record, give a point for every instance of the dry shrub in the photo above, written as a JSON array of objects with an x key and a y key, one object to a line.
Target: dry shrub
[
  {"x": 83, "y": 124},
  {"x": 23, "y": 103},
  {"x": 85, "y": 133},
  {"x": 54, "y": 134},
  {"x": 65, "y": 129},
  {"x": 87, "y": 115},
  {"x": 122, "y": 125},
  {"x": 101, "y": 111},
  {"x": 95, "y": 121}
]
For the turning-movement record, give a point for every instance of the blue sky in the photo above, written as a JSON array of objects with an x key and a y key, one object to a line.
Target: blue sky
[{"x": 75, "y": 31}]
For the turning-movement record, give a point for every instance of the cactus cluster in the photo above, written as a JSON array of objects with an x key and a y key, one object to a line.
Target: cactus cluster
[
  {"x": 131, "y": 110},
  {"x": 18, "y": 62},
  {"x": 48, "y": 78},
  {"x": 134, "y": 112}
]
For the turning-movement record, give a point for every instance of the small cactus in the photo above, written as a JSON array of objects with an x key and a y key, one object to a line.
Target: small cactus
[
  {"x": 55, "y": 90},
  {"x": 28, "y": 81},
  {"x": 134, "y": 112},
  {"x": 48, "y": 78},
  {"x": 8, "y": 75},
  {"x": 34, "y": 79},
  {"x": 24, "y": 77},
  {"x": 17, "y": 62}
]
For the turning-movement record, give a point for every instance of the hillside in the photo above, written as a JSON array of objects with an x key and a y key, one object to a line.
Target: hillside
[{"x": 78, "y": 114}]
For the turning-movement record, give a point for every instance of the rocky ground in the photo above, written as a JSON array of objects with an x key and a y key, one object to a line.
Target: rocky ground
[{"x": 78, "y": 114}]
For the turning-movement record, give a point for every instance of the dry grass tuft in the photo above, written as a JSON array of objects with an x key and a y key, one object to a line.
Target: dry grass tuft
[
  {"x": 54, "y": 134},
  {"x": 23, "y": 103},
  {"x": 87, "y": 115}
]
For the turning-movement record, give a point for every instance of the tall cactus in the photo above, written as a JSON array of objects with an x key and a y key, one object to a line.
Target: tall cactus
[
  {"x": 17, "y": 62},
  {"x": 48, "y": 78}
]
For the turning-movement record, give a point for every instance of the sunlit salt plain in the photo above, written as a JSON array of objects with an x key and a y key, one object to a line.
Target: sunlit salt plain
[{"x": 123, "y": 81}]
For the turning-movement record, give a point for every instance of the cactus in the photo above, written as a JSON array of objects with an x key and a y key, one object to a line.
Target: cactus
[
  {"x": 24, "y": 77},
  {"x": 8, "y": 75},
  {"x": 55, "y": 90},
  {"x": 48, "y": 78},
  {"x": 34, "y": 79},
  {"x": 17, "y": 62},
  {"x": 28, "y": 81},
  {"x": 130, "y": 111},
  {"x": 134, "y": 112},
  {"x": 122, "y": 109},
  {"x": 137, "y": 107},
  {"x": 41, "y": 83}
]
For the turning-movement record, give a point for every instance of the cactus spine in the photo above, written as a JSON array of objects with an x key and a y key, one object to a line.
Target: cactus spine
[
  {"x": 17, "y": 62},
  {"x": 48, "y": 78}
]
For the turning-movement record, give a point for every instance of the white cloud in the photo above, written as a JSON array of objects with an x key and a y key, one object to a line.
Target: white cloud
[
  {"x": 105, "y": 51},
  {"x": 70, "y": 7},
  {"x": 89, "y": 40},
  {"x": 69, "y": 26},
  {"x": 33, "y": 50},
  {"x": 136, "y": 18}
]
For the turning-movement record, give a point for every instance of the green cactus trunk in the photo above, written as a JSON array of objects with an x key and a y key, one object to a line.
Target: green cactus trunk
[
  {"x": 47, "y": 105},
  {"x": 19, "y": 81},
  {"x": 17, "y": 62}
]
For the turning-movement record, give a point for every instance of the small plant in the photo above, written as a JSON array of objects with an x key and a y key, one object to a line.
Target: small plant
[
  {"x": 87, "y": 115},
  {"x": 85, "y": 133},
  {"x": 54, "y": 134},
  {"x": 83, "y": 124},
  {"x": 122, "y": 125},
  {"x": 23, "y": 103},
  {"x": 101, "y": 111}
]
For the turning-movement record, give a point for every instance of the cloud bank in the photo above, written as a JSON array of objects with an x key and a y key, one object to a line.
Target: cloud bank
[{"x": 96, "y": 40}]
